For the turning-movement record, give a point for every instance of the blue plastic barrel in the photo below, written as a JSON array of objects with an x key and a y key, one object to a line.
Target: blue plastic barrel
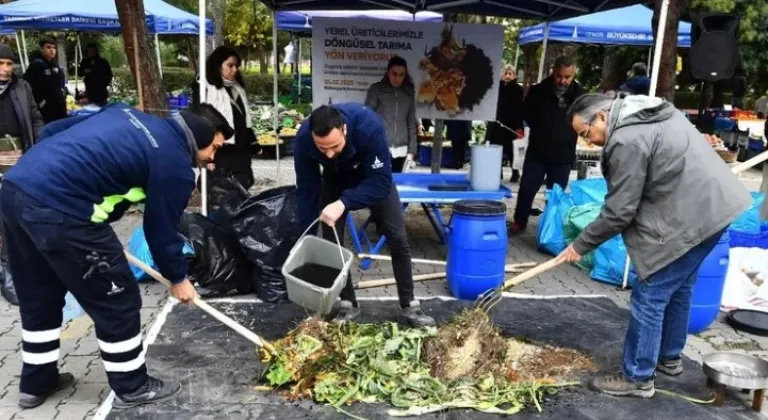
[
  {"x": 477, "y": 247},
  {"x": 708, "y": 290}
]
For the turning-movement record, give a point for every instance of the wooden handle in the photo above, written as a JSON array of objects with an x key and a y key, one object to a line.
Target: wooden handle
[
  {"x": 514, "y": 281},
  {"x": 248, "y": 334},
  {"x": 388, "y": 258},
  {"x": 391, "y": 281},
  {"x": 762, "y": 157}
]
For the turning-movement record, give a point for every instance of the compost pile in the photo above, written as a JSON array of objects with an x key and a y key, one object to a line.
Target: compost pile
[{"x": 464, "y": 364}]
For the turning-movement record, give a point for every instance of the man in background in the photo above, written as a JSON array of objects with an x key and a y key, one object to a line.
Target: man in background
[
  {"x": 97, "y": 76},
  {"x": 552, "y": 141},
  {"x": 19, "y": 116},
  {"x": 48, "y": 82},
  {"x": 638, "y": 82}
]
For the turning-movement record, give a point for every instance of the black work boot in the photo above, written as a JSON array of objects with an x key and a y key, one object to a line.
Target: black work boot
[
  {"x": 672, "y": 367},
  {"x": 618, "y": 385},
  {"x": 416, "y": 316},
  {"x": 348, "y": 312},
  {"x": 153, "y": 390},
  {"x": 31, "y": 401}
]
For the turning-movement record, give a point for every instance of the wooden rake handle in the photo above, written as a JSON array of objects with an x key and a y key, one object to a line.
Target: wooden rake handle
[
  {"x": 514, "y": 281},
  {"x": 248, "y": 334}
]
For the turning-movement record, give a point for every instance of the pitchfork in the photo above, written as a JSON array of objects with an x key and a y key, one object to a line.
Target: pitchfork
[{"x": 487, "y": 300}]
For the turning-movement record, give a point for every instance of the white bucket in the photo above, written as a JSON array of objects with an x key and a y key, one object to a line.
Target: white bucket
[
  {"x": 315, "y": 250},
  {"x": 485, "y": 167}
]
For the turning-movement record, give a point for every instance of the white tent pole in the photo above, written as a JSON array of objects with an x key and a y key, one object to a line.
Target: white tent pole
[
  {"x": 298, "y": 66},
  {"x": 543, "y": 51},
  {"x": 24, "y": 45},
  {"x": 650, "y": 54},
  {"x": 658, "y": 46},
  {"x": 21, "y": 54},
  {"x": 157, "y": 52},
  {"x": 275, "y": 79},
  {"x": 202, "y": 82},
  {"x": 517, "y": 56}
]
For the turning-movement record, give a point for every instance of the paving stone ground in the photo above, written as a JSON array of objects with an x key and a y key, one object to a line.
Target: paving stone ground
[{"x": 79, "y": 353}]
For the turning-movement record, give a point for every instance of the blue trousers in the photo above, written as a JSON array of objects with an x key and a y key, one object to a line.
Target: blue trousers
[
  {"x": 51, "y": 253},
  {"x": 659, "y": 307}
]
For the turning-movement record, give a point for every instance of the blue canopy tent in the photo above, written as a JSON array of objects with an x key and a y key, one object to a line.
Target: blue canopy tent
[
  {"x": 300, "y": 22},
  {"x": 625, "y": 26},
  {"x": 97, "y": 16}
]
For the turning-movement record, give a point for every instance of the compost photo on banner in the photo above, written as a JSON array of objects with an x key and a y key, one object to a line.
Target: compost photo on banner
[{"x": 455, "y": 67}]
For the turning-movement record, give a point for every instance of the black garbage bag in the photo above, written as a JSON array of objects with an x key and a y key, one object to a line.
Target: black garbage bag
[
  {"x": 267, "y": 227},
  {"x": 7, "y": 289},
  {"x": 225, "y": 195},
  {"x": 218, "y": 268}
]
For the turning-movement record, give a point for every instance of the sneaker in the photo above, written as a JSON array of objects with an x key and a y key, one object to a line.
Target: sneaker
[
  {"x": 672, "y": 367},
  {"x": 618, "y": 385},
  {"x": 416, "y": 316},
  {"x": 515, "y": 176},
  {"x": 515, "y": 229},
  {"x": 348, "y": 312},
  {"x": 31, "y": 401},
  {"x": 153, "y": 390},
  {"x": 536, "y": 212}
]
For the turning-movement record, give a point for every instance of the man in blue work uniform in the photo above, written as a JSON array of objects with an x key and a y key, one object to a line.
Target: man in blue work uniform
[
  {"x": 349, "y": 143},
  {"x": 58, "y": 202}
]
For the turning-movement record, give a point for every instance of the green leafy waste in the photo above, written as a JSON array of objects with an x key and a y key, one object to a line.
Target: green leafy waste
[{"x": 341, "y": 364}]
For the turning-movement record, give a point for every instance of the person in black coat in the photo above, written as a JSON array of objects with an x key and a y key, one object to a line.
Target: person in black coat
[
  {"x": 97, "y": 76},
  {"x": 552, "y": 142},
  {"x": 48, "y": 82},
  {"x": 509, "y": 114}
]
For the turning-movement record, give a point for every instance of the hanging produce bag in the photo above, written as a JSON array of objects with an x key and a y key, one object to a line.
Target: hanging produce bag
[
  {"x": 267, "y": 227},
  {"x": 550, "y": 236}
]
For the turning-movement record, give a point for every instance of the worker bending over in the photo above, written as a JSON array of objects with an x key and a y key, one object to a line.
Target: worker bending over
[
  {"x": 58, "y": 202},
  {"x": 349, "y": 142}
]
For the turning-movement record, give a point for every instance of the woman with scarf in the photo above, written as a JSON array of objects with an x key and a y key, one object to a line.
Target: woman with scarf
[
  {"x": 393, "y": 98},
  {"x": 225, "y": 91}
]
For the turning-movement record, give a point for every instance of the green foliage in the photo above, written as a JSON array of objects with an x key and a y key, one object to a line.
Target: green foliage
[{"x": 180, "y": 79}]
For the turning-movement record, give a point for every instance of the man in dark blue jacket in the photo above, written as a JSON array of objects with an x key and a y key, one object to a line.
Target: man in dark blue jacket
[
  {"x": 349, "y": 143},
  {"x": 57, "y": 205}
]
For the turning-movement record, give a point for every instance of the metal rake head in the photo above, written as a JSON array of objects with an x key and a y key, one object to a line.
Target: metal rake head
[{"x": 488, "y": 299}]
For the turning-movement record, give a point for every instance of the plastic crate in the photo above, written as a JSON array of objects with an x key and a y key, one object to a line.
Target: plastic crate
[{"x": 425, "y": 156}]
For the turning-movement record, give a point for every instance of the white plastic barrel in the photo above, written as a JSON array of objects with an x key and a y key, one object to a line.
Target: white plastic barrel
[{"x": 485, "y": 167}]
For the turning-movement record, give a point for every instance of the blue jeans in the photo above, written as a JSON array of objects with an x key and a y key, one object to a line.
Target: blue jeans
[{"x": 659, "y": 307}]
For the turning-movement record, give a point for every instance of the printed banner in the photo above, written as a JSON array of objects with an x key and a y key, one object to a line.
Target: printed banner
[{"x": 455, "y": 67}]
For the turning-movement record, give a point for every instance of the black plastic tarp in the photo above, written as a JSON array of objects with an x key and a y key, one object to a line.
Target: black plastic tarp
[{"x": 218, "y": 368}]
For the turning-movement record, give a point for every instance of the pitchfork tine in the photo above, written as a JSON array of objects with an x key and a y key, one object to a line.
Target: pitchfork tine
[{"x": 487, "y": 300}]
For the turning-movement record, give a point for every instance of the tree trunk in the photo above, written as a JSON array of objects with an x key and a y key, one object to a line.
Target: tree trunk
[
  {"x": 191, "y": 53},
  {"x": 668, "y": 63},
  {"x": 263, "y": 62},
  {"x": 612, "y": 75},
  {"x": 133, "y": 24},
  {"x": 217, "y": 13},
  {"x": 530, "y": 69}
]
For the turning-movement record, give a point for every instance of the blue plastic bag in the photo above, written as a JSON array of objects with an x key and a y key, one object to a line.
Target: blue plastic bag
[
  {"x": 749, "y": 221},
  {"x": 138, "y": 248},
  {"x": 610, "y": 259},
  {"x": 588, "y": 191},
  {"x": 550, "y": 236}
]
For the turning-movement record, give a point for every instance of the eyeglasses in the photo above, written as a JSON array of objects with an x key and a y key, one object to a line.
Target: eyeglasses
[{"x": 585, "y": 134}]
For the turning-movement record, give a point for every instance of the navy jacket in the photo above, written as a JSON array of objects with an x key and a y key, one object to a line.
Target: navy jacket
[
  {"x": 96, "y": 168},
  {"x": 363, "y": 172}
]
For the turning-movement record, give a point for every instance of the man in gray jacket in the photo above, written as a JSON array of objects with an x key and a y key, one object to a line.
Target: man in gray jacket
[{"x": 671, "y": 198}]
